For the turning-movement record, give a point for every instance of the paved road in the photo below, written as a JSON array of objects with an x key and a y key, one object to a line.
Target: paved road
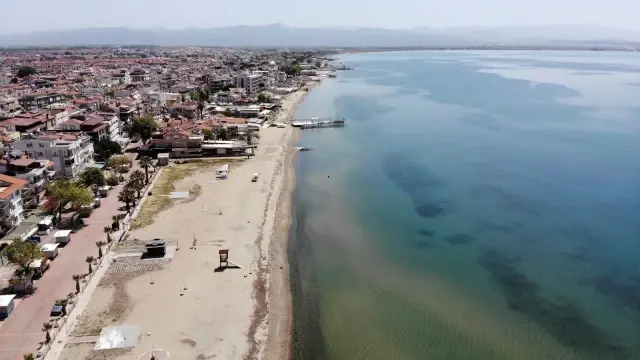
[{"x": 21, "y": 332}]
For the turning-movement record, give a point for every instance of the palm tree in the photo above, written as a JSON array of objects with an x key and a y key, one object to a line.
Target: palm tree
[
  {"x": 28, "y": 356},
  {"x": 115, "y": 225},
  {"x": 46, "y": 327},
  {"x": 100, "y": 244},
  {"x": 89, "y": 261},
  {"x": 146, "y": 162},
  {"x": 77, "y": 279},
  {"x": 127, "y": 195},
  {"x": 107, "y": 230},
  {"x": 137, "y": 180}
]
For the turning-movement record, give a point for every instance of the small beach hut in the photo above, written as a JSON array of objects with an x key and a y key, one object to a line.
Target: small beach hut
[
  {"x": 163, "y": 159},
  {"x": 156, "y": 248}
]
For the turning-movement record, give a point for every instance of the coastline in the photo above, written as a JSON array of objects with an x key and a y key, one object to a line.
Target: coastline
[{"x": 272, "y": 327}]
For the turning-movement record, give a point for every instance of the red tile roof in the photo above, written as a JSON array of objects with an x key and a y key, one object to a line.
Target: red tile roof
[{"x": 11, "y": 185}]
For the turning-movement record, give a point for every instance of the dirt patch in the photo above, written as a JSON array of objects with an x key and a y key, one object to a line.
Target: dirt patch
[
  {"x": 111, "y": 313},
  {"x": 189, "y": 342},
  {"x": 163, "y": 187}
]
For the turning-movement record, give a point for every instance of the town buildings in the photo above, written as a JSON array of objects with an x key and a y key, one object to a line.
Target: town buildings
[
  {"x": 70, "y": 153},
  {"x": 11, "y": 204}
]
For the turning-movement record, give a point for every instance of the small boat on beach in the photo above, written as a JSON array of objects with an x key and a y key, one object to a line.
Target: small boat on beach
[{"x": 303, "y": 148}]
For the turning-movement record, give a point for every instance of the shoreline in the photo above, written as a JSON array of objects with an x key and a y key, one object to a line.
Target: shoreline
[{"x": 271, "y": 323}]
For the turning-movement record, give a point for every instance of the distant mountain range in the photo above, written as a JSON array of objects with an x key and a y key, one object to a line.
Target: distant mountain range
[{"x": 278, "y": 35}]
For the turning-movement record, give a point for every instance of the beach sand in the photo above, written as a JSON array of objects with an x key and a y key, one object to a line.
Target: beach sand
[{"x": 185, "y": 306}]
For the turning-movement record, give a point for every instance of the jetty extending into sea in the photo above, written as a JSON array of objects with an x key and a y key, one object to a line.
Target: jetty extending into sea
[{"x": 317, "y": 123}]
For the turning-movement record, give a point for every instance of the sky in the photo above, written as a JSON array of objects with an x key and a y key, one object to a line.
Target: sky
[{"x": 20, "y": 16}]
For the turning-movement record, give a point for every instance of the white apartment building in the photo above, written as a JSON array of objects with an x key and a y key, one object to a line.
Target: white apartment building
[
  {"x": 249, "y": 82},
  {"x": 34, "y": 172},
  {"x": 11, "y": 210},
  {"x": 70, "y": 153},
  {"x": 123, "y": 77}
]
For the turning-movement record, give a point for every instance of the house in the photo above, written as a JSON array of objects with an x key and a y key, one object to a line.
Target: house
[
  {"x": 27, "y": 122},
  {"x": 40, "y": 100},
  {"x": 122, "y": 78},
  {"x": 11, "y": 205},
  {"x": 140, "y": 75},
  {"x": 34, "y": 172},
  {"x": 187, "y": 109},
  {"x": 70, "y": 153}
]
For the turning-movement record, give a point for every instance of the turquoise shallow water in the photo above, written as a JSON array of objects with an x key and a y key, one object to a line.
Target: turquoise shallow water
[{"x": 478, "y": 205}]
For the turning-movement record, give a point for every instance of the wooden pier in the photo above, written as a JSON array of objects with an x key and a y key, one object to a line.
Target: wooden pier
[{"x": 317, "y": 123}]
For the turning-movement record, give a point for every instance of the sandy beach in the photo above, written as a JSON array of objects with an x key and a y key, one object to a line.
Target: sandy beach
[{"x": 184, "y": 306}]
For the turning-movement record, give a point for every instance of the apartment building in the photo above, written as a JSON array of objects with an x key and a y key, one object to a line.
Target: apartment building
[
  {"x": 122, "y": 78},
  {"x": 70, "y": 153},
  {"x": 140, "y": 76},
  {"x": 250, "y": 82},
  {"x": 11, "y": 205},
  {"x": 40, "y": 100},
  {"x": 34, "y": 172}
]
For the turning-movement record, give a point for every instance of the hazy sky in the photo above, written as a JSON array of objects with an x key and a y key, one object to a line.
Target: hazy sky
[{"x": 32, "y": 15}]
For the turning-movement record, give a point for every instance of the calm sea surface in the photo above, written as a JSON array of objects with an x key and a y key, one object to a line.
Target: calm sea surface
[{"x": 478, "y": 205}]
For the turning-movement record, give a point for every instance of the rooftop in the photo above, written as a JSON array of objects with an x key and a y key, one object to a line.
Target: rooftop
[{"x": 9, "y": 185}]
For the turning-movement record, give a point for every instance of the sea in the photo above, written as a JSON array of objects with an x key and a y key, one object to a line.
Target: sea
[{"x": 477, "y": 205}]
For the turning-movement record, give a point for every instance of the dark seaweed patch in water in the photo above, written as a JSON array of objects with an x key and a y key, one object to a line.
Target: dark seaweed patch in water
[
  {"x": 429, "y": 211},
  {"x": 419, "y": 182},
  {"x": 559, "y": 317},
  {"x": 426, "y": 232},
  {"x": 623, "y": 288},
  {"x": 460, "y": 239}
]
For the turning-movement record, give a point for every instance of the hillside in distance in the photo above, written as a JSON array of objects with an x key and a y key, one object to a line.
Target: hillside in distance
[
  {"x": 277, "y": 35},
  {"x": 235, "y": 36}
]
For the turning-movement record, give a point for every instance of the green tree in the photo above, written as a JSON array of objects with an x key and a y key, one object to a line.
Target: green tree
[
  {"x": 89, "y": 261},
  {"x": 200, "y": 108},
  {"x": 233, "y": 132},
  {"x": 263, "y": 98},
  {"x": 93, "y": 178},
  {"x": 22, "y": 253},
  {"x": 127, "y": 196},
  {"x": 144, "y": 127},
  {"x": 106, "y": 148},
  {"x": 208, "y": 134},
  {"x": 295, "y": 70},
  {"x": 222, "y": 134},
  {"x": 146, "y": 162},
  {"x": 28, "y": 356},
  {"x": 107, "y": 230},
  {"x": 64, "y": 192},
  {"x": 80, "y": 197},
  {"x": 118, "y": 162},
  {"x": 46, "y": 328},
  {"x": 26, "y": 71},
  {"x": 77, "y": 279},
  {"x": 137, "y": 181}
]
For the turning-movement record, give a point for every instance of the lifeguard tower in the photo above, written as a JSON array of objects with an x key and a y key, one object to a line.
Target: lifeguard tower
[{"x": 224, "y": 257}]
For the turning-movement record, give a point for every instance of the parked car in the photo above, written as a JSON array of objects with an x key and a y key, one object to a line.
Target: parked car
[{"x": 56, "y": 310}]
